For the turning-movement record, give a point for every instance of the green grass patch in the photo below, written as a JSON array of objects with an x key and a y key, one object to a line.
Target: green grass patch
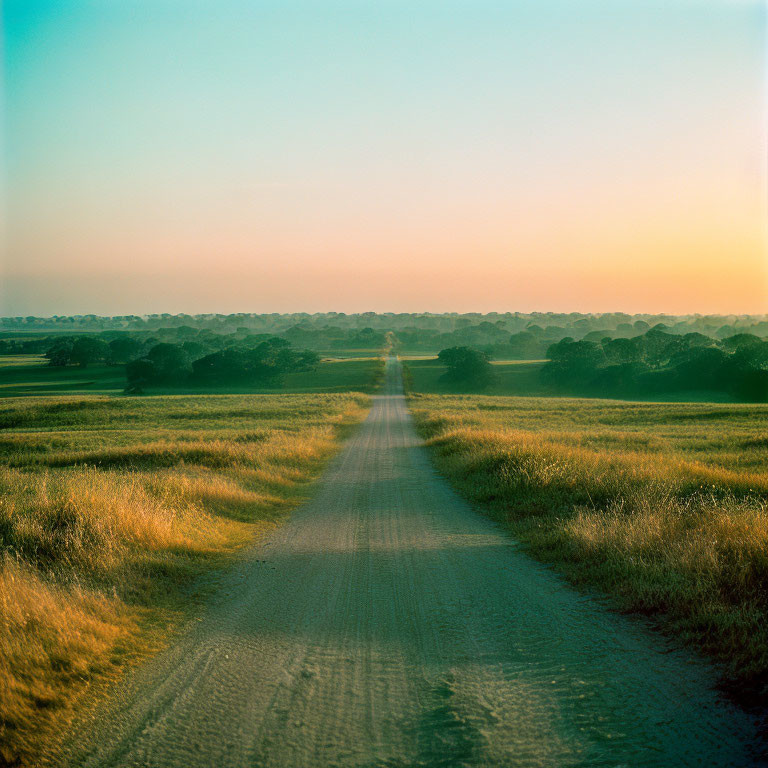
[
  {"x": 511, "y": 377},
  {"x": 520, "y": 378},
  {"x": 24, "y": 375}
]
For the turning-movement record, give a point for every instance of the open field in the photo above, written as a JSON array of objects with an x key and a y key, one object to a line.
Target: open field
[
  {"x": 662, "y": 506},
  {"x": 520, "y": 378},
  {"x": 388, "y": 624},
  {"x": 31, "y": 375},
  {"x": 113, "y": 508},
  {"x": 110, "y": 508},
  {"x": 512, "y": 377},
  {"x": 22, "y": 375}
]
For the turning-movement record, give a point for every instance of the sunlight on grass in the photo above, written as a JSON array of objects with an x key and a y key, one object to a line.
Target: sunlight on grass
[
  {"x": 109, "y": 509},
  {"x": 662, "y": 506}
]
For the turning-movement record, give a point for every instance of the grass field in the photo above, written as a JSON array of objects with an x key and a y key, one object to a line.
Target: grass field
[
  {"x": 520, "y": 377},
  {"x": 31, "y": 375},
  {"x": 661, "y": 506},
  {"x": 110, "y": 507},
  {"x": 513, "y": 377}
]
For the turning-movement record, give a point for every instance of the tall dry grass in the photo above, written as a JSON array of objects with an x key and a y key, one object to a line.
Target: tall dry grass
[
  {"x": 663, "y": 507},
  {"x": 110, "y": 508}
]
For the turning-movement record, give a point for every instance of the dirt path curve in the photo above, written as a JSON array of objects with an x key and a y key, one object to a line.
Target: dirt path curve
[{"x": 387, "y": 624}]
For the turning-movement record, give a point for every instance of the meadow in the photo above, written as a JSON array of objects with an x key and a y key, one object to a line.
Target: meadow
[
  {"x": 112, "y": 508},
  {"x": 661, "y": 506},
  {"x": 31, "y": 375},
  {"x": 425, "y": 373}
]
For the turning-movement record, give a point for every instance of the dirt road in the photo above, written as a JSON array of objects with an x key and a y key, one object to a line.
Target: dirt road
[{"x": 387, "y": 624}]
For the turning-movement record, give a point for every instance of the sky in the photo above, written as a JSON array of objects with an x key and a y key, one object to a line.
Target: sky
[{"x": 420, "y": 155}]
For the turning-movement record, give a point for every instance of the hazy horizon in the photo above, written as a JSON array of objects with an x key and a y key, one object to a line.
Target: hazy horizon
[
  {"x": 384, "y": 312},
  {"x": 264, "y": 157}
]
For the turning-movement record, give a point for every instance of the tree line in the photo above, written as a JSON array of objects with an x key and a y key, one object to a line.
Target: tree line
[
  {"x": 147, "y": 361},
  {"x": 653, "y": 363},
  {"x": 504, "y": 335},
  {"x": 264, "y": 363},
  {"x": 611, "y": 354},
  {"x": 658, "y": 362}
]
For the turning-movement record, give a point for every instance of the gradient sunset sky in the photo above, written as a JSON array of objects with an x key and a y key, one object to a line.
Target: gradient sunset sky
[{"x": 429, "y": 155}]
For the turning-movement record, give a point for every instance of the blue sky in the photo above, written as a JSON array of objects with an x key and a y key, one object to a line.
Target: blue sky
[{"x": 200, "y": 156}]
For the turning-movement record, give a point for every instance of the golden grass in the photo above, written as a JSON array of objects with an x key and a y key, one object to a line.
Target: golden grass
[
  {"x": 662, "y": 506},
  {"x": 109, "y": 509},
  {"x": 54, "y": 641}
]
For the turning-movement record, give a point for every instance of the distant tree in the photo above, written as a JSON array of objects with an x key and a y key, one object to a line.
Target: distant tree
[
  {"x": 264, "y": 363},
  {"x": 186, "y": 331},
  {"x": 696, "y": 339},
  {"x": 367, "y": 338},
  {"x": 466, "y": 366},
  {"x": 277, "y": 343},
  {"x": 87, "y": 350},
  {"x": 572, "y": 364},
  {"x": 621, "y": 378},
  {"x": 525, "y": 346},
  {"x": 123, "y": 349},
  {"x": 555, "y": 332},
  {"x": 139, "y": 374},
  {"x": 171, "y": 361},
  {"x": 577, "y": 354},
  {"x": 60, "y": 354},
  {"x": 490, "y": 331},
  {"x": 740, "y": 341},
  {"x": 701, "y": 368},
  {"x": 622, "y": 350},
  {"x": 660, "y": 347},
  {"x": 294, "y": 361},
  {"x": 724, "y": 331},
  {"x": 194, "y": 349},
  {"x": 597, "y": 336},
  {"x": 226, "y": 365},
  {"x": 752, "y": 356},
  {"x": 269, "y": 360}
]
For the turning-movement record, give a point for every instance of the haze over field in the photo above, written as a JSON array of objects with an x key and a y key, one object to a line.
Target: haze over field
[{"x": 473, "y": 156}]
